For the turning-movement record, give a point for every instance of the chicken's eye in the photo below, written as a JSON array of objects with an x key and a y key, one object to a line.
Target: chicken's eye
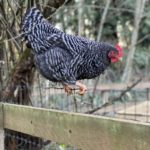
[{"x": 112, "y": 54}]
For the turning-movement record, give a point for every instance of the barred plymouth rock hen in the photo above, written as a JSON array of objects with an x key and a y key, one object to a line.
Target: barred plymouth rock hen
[{"x": 65, "y": 58}]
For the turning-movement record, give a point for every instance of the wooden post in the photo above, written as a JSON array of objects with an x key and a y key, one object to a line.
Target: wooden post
[{"x": 1, "y": 128}]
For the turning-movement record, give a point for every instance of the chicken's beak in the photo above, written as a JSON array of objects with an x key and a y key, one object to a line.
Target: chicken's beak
[{"x": 120, "y": 59}]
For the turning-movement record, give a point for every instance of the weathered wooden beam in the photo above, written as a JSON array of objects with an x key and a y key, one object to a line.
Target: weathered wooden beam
[
  {"x": 79, "y": 130},
  {"x": 1, "y": 128}
]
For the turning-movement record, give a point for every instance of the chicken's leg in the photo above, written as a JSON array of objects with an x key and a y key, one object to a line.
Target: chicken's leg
[{"x": 82, "y": 88}]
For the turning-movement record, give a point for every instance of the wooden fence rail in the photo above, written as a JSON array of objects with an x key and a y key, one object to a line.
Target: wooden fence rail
[{"x": 80, "y": 130}]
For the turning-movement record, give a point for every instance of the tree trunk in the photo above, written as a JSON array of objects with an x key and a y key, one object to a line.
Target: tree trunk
[
  {"x": 80, "y": 18},
  {"x": 18, "y": 87},
  {"x": 139, "y": 9},
  {"x": 103, "y": 18}
]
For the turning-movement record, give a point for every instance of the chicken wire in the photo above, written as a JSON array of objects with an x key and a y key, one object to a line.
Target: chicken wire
[
  {"x": 52, "y": 96},
  {"x": 49, "y": 95},
  {"x": 19, "y": 141}
]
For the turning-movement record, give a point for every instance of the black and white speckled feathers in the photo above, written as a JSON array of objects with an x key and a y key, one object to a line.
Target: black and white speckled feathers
[{"x": 61, "y": 57}]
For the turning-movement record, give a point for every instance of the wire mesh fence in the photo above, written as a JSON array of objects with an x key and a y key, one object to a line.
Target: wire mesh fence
[
  {"x": 20, "y": 141},
  {"x": 105, "y": 100},
  {"x": 133, "y": 105}
]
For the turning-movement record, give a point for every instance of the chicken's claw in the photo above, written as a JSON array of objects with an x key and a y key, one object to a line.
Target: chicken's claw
[
  {"x": 82, "y": 88},
  {"x": 68, "y": 89}
]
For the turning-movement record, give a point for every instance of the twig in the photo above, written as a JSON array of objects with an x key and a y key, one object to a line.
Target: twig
[
  {"x": 10, "y": 34},
  {"x": 125, "y": 91},
  {"x": 57, "y": 9},
  {"x": 111, "y": 101},
  {"x": 143, "y": 38}
]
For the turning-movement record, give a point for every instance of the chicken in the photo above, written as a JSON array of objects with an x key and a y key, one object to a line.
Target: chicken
[{"x": 65, "y": 58}]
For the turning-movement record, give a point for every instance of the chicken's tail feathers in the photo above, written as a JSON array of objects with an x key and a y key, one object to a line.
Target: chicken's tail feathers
[{"x": 31, "y": 18}]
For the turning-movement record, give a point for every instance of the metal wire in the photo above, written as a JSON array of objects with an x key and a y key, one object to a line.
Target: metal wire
[{"x": 20, "y": 141}]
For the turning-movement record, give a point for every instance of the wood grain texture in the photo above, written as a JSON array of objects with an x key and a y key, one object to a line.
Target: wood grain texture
[{"x": 79, "y": 130}]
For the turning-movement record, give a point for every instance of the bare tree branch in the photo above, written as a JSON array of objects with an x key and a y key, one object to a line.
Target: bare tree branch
[
  {"x": 103, "y": 18},
  {"x": 118, "y": 98},
  {"x": 143, "y": 38},
  {"x": 80, "y": 18}
]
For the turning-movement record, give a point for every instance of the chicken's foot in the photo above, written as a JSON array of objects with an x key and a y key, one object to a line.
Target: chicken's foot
[
  {"x": 82, "y": 88},
  {"x": 68, "y": 89}
]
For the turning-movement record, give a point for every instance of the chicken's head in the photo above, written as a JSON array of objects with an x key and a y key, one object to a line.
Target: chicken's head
[{"x": 116, "y": 55}]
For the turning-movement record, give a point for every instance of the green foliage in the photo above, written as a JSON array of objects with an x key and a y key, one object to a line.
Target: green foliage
[{"x": 141, "y": 58}]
